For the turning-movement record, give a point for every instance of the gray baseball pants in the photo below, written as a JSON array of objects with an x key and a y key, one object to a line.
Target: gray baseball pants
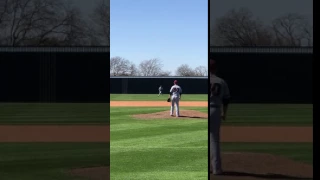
[{"x": 215, "y": 122}]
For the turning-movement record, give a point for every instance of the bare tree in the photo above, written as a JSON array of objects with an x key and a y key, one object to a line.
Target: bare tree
[
  {"x": 185, "y": 70},
  {"x": 41, "y": 22},
  {"x": 133, "y": 70},
  {"x": 240, "y": 28},
  {"x": 101, "y": 23},
  {"x": 151, "y": 67},
  {"x": 201, "y": 71},
  {"x": 292, "y": 30},
  {"x": 122, "y": 67},
  {"x": 3, "y": 4},
  {"x": 165, "y": 73}
]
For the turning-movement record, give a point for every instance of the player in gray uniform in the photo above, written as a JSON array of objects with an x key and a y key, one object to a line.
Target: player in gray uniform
[
  {"x": 175, "y": 95},
  {"x": 160, "y": 90},
  {"x": 219, "y": 98}
]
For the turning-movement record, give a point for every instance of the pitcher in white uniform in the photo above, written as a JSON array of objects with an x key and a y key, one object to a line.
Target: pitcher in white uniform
[{"x": 175, "y": 95}]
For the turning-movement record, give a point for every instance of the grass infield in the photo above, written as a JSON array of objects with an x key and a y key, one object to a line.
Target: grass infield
[
  {"x": 302, "y": 152},
  {"x": 54, "y": 113},
  {"x": 178, "y": 149},
  {"x": 49, "y": 161}
]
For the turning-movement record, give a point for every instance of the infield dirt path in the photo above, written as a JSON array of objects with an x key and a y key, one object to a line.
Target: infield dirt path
[
  {"x": 156, "y": 104},
  {"x": 52, "y": 133},
  {"x": 235, "y": 162},
  {"x": 86, "y": 133},
  {"x": 237, "y": 134}
]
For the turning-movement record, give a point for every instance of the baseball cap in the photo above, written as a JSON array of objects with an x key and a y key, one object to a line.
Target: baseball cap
[{"x": 175, "y": 81}]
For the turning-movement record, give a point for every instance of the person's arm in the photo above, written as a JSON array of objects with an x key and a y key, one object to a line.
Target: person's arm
[{"x": 180, "y": 93}]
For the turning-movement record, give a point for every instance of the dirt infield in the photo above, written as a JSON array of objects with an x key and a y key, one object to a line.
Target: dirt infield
[
  {"x": 66, "y": 133},
  {"x": 185, "y": 114},
  {"x": 259, "y": 166},
  {"x": 242, "y": 134},
  {"x": 240, "y": 166},
  {"x": 86, "y": 133},
  {"x": 94, "y": 173},
  {"x": 156, "y": 104}
]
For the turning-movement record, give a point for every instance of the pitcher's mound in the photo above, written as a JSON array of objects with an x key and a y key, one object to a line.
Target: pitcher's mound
[
  {"x": 94, "y": 173},
  {"x": 166, "y": 114},
  {"x": 250, "y": 166}
]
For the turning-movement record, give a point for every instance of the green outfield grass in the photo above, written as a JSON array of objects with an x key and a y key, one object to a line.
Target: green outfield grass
[
  {"x": 157, "y": 149},
  {"x": 270, "y": 115},
  {"x": 49, "y": 161},
  {"x": 302, "y": 152},
  {"x": 54, "y": 113},
  {"x": 154, "y": 97},
  {"x": 178, "y": 149}
]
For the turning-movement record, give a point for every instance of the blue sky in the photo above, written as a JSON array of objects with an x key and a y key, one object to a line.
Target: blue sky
[{"x": 175, "y": 31}]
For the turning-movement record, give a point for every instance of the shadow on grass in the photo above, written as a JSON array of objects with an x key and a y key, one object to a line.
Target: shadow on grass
[{"x": 194, "y": 117}]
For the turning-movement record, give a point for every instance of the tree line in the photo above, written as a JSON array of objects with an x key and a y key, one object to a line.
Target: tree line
[
  {"x": 152, "y": 67},
  {"x": 239, "y": 27},
  {"x": 53, "y": 23}
]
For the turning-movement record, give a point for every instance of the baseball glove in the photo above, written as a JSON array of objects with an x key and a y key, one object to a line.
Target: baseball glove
[{"x": 169, "y": 100}]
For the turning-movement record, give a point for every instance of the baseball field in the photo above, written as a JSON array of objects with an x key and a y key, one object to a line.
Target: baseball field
[
  {"x": 64, "y": 141},
  {"x": 260, "y": 141},
  {"x": 71, "y": 141}
]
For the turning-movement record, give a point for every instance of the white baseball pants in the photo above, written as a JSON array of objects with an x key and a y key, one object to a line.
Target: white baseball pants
[{"x": 175, "y": 101}]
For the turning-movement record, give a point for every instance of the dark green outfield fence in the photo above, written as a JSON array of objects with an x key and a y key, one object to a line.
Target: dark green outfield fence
[
  {"x": 150, "y": 85},
  {"x": 80, "y": 74},
  {"x": 77, "y": 74},
  {"x": 266, "y": 75}
]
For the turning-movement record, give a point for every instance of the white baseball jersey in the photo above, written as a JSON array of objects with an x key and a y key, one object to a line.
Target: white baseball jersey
[
  {"x": 160, "y": 88},
  {"x": 175, "y": 90},
  {"x": 219, "y": 90}
]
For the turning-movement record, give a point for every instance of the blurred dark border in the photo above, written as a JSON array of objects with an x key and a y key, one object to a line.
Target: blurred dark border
[
  {"x": 54, "y": 74},
  {"x": 266, "y": 74}
]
